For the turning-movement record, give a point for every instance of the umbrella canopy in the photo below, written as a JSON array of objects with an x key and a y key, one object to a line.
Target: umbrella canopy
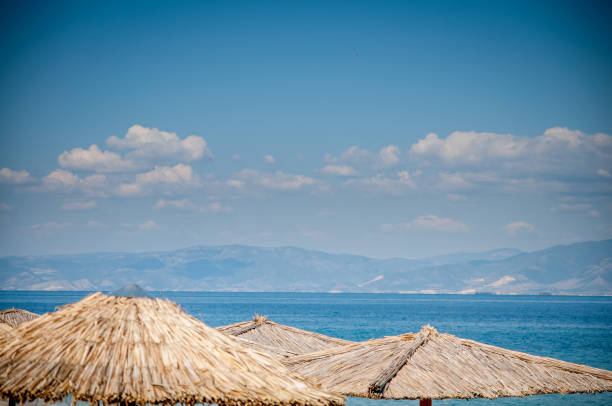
[
  {"x": 4, "y": 328},
  {"x": 144, "y": 351},
  {"x": 265, "y": 332},
  {"x": 14, "y": 317},
  {"x": 274, "y": 352},
  {"x": 429, "y": 365}
]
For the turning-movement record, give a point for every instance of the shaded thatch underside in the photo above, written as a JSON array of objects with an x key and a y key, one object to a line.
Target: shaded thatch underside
[
  {"x": 14, "y": 317},
  {"x": 438, "y": 366},
  {"x": 117, "y": 349},
  {"x": 290, "y": 339}
]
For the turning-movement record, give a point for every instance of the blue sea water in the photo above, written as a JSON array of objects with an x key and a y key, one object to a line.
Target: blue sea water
[{"x": 571, "y": 328}]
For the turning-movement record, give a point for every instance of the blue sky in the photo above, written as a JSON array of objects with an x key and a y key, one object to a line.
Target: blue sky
[{"x": 378, "y": 128}]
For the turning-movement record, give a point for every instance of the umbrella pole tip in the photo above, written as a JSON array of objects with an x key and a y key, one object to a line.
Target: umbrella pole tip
[{"x": 424, "y": 402}]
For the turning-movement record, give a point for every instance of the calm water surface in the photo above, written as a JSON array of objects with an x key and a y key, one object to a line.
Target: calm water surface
[{"x": 576, "y": 329}]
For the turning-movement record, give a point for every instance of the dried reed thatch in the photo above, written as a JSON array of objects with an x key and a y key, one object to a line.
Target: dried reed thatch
[
  {"x": 141, "y": 351},
  {"x": 5, "y": 327},
  {"x": 273, "y": 335},
  {"x": 276, "y": 353},
  {"x": 14, "y": 317},
  {"x": 429, "y": 365}
]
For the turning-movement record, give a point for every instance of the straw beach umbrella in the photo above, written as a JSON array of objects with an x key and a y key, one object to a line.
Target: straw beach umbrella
[
  {"x": 290, "y": 339},
  {"x": 429, "y": 365},
  {"x": 274, "y": 352},
  {"x": 137, "y": 350},
  {"x": 14, "y": 317}
]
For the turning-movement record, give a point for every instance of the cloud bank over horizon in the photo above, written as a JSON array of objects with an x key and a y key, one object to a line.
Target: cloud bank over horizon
[{"x": 566, "y": 167}]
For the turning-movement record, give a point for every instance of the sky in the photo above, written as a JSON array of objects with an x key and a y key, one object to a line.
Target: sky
[{"x": 385, "y": 129}]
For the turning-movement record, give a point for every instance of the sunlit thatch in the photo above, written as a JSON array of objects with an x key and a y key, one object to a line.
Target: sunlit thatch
[
  {"x": 289, "y": 339},
  {"x": 438, "y": 366},
  {"x": 274, "y": 352},
  {"x": 14, "y": 317},
  {"x": 141, "y": 350}
]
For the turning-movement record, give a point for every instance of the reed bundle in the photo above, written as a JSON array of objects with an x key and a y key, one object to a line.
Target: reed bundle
[
  {"x": 429, "y": 365},
  {"x": 14, "y": 317},
  {"x": 142, "y": 351},
  {"x": 281, "y": 337}
]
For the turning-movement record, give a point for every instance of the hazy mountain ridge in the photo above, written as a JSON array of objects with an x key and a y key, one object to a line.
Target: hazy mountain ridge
[{"x": 584, "y": 268}]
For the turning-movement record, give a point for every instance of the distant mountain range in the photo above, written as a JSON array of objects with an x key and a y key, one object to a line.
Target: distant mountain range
[{"x": 582, "y": 268}]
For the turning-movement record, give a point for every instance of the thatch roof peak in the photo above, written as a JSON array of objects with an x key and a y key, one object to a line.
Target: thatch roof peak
[
  {"x": 285, "y": 338},
  {"x": 147, "y": 351},
  {"x": 258, "y": 318},
  {"x": 14, "y": 317},
  {"x": 435, "y": 365},
  {"x": 131, "y": 290}
]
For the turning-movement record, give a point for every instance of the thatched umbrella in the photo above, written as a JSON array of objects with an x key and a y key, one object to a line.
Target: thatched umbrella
[
  {"x": 274, "y": 352},
  {"x": 141, "y": 351},
  {"x": 290, "y": 339},
  {"x": 14, "y": 317},
  {"x": 429, "y": 365}
]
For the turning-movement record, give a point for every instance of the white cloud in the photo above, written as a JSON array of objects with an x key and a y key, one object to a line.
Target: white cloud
[
  {"x": 270, "y": 159},
  {"x": 384, "y": 185},
  {"x": 518, "y": 227},
  {"x": 48, "y": 228},
  {"x": 452, "y": 181},
  {"x": 179, "y": 173},
  {"x": 175, "y": 177},
  {"x": 61, "y": 180},
  {"x": 148, "y": 226},
  {"x": 5, "y": 207},
  {"x": 249, "y": 179},
  {"x": 94, "y": 159},
  {"x": 10, "y": 176},
  {"x": 237, "y": 184},
  {"x": 339, "y": 170},
  {"x": 150, "y": 143},
  {"x": 556, "y": 152},
  {"x": 604, "y": 173},
  {"x": 79, "y": 205},
  {"x": 470, "y": 147},
  {"x": 185, "y": 204},
  {"x": 129, "y": 189},
  {"x": 495, "y": 180},
  {"x": 387, "y": 157},
  {"x": 236, "y": 157},
  {"x": 584, "y": 208},
  {"x": 430, "y": 222}
]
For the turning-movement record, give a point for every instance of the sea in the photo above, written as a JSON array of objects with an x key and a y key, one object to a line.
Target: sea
[{"x": 571, "y": 328}]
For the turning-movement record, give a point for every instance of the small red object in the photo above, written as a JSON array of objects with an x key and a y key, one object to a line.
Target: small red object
[{"x": 424, "y": 402}]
